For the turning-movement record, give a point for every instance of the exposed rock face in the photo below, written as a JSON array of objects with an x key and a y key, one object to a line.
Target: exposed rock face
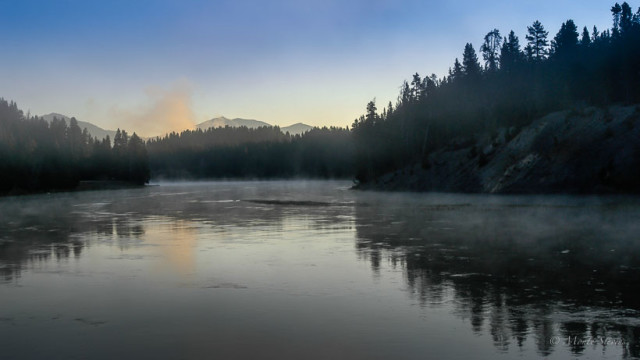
[{"x": 589, "y": 150}]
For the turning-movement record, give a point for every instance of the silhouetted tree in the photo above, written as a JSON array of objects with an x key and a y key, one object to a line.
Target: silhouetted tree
[
  {"x": 470, "y": 64},
  {"x": 537, "y": 41},
  {"x": 585, "y": 40},
  {"x": 491, "y": 49},
  {"x": 138, "y": 164},
  {"x": 510, "y": 53},
  {"x": 372, "y": 115},
  {"x": 457, "y": 71},
  {"x": 626, "y": 18},
  {"x": 616, "y": 10},
  {"x": 566, "y": 41},
  {"x": 595, "y": 34},
  {"x": 416, "y": 87}
]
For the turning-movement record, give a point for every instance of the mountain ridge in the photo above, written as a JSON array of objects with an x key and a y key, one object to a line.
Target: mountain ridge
[
  {"x": 93, "y": 129},
  {"x": 221, "y": 121}
]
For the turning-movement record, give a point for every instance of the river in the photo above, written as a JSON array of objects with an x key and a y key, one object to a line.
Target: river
[{"x": 313, "y": 270}]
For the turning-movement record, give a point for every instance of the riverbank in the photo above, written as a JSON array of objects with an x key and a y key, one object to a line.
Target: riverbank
[
  {"x": 88, "y": 185},
  {"x": 585, "y": 150},
  {"x": 106, "y": 185}
]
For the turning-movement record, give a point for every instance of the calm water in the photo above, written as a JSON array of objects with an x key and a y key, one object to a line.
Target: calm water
[{"x": 312, "y": 270}]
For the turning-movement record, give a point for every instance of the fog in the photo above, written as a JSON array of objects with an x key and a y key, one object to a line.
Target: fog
[{"x": 292, "y": 268}]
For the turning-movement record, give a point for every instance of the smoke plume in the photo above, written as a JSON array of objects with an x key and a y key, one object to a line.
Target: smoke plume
[{"x": 166, "y": 110}]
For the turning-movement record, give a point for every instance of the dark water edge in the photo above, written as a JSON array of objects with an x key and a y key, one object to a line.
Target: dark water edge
[
  {"x": 485, "y": 276},
  {"x": 89, "y": 185}
]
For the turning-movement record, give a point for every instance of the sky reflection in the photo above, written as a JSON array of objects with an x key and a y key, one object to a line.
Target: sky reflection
[{"x": 205, "y": 271}]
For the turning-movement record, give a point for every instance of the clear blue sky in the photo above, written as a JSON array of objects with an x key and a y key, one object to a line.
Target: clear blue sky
[{"x": 153, "y": 66}]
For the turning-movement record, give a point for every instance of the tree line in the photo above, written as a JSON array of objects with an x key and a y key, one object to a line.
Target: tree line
[
  {"x": 36, "y": 155},
  {"x": 512, "y": 85},
  {"x": 507, "y": 86},
  {"x": 39, "y": 156},
  {"x": 262, "y": 153}
]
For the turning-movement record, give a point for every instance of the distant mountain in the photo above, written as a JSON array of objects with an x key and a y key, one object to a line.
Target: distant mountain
[
  {"x": 94, "y": 130},
  {"x": 296, "y": 129},
  {"x": 222, "y": 121},
  {"x": 237, "y": 122}
]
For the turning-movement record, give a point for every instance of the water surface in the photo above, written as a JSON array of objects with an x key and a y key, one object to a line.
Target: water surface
[{"x": 299, "y": 269}]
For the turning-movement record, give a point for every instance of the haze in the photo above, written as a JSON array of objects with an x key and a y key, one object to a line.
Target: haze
[{"x": 158, "y": 66}]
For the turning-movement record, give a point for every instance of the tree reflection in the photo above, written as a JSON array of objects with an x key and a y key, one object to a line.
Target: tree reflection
[
  {"x": 40, "y": 229},
  {"x": 516, "y": 271},
  {"x": 56, "y": 231}
]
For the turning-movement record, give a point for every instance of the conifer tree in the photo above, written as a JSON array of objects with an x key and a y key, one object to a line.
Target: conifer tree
[
  {"x": 537, "y": 41},
  {"x": 491, "y": 49},
  {"x": 566, "y": 40},
  {"x": 510, "y": 53},
  {"x": 586, "y": 38},
  {"x": 470, "y": 64},
  {"x": 457, "y": 70},
  {"x": 595, "y": 34},
  {"x": 616, "y": 10}
]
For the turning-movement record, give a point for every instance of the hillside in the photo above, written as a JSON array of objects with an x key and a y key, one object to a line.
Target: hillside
[
  {"x": 498, "y": 125},
  {"x": 589, "y": 150},
  {"x": 94, "y": 130},
  {"x": 36, "y": 156}
]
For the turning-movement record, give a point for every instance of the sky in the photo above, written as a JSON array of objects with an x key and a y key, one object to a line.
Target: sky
[{"x": 166, "y": 65}]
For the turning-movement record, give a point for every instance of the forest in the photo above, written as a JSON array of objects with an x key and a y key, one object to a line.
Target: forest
[
  {"x": 507, "y": 84},
  {"x": 261, "y": 153},
  {"x": 513, "y": 85},
  {"x": 38, "y": 156}
]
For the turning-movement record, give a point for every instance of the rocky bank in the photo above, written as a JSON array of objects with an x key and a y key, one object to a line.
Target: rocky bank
[{"x": 583, "y": 150}]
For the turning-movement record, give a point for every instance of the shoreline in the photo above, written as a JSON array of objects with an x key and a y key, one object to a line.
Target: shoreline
[
  {"x": 84, "y": 185},
  {"x": 581, "y": 151}
]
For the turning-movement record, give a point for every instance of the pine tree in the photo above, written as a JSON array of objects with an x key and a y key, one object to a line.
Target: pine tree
[
  {"x": 616, "y": 10},
  {"x": 138, "y": 161},
  {"x": 75, "y": 140},
  {"x": 586, "y": 38},
  {"x": 537, "y": 41},
  {"x": 510, "y": 53},
  {"x": 595, "y": 34},
  {"x": 566, "y": 40},
  {"x": 457, "y": 70},
  {"x": 470, "y": 64},
  {"x": 416, "y": 87},
  {"x": 405, "y": 94},
  {"x": 372, "y": 114},
  {"x": 626, "y": 18},
  {"x": 491, "y": 49}
]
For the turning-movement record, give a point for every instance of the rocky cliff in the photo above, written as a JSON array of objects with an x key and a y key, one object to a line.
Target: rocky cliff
[{"x": 584, "y": 150}]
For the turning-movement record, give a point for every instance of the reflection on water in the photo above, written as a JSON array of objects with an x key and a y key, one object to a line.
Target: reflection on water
[
  {"x": 249, "y": 268},
  {"x": 563, "y": 271}
]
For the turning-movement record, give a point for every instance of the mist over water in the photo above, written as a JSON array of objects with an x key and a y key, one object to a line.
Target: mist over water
[{"x": 299, "y": 269}]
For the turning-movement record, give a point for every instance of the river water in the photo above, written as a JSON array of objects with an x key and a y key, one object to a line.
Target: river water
[{"x": 313, "y": 270}]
